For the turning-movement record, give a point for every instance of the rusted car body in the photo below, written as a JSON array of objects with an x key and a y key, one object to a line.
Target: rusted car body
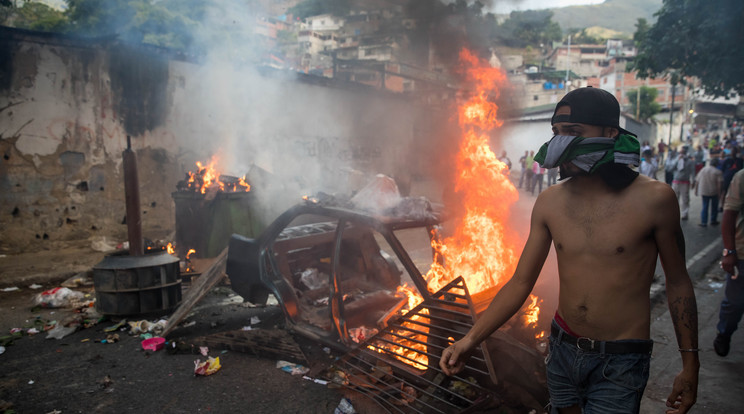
[{"x": 335, "y": 270}]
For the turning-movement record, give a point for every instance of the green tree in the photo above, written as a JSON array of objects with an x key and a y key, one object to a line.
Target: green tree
[
  {"x": 531, "y": 27},
  {"x": 309, "y": 8},
  {"x": 168, "y": 23},
  {"x": 701, "y": 38},
  {"x": 39, "y": 16},
  {"x": 646, "y": 106}
]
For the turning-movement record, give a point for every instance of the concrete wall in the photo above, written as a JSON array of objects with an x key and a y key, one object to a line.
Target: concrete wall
[{"x": 67, "y": 106}]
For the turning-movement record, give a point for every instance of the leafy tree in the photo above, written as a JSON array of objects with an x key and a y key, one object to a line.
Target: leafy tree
[
  {"x": 531, "y": 27},
  {"x": 39, "y": 16},
  {"x": 309, "y": 8},
  {"x": 641, "y": 31},
  {"x": 168, "y": 23},
  {"x": 580, "y": 36},
  {"x": 648, "y": 106},
  {"x": 701, "y": 38}
]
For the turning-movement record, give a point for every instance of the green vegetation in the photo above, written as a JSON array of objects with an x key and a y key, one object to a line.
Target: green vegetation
[
  {"x": 701, "y": 38},
  {"x": 31, "y": 15},
  {"x": 647, "y": 107},
  {"x": 309, "y": 8},
  {"x": 531, "y": 27}
]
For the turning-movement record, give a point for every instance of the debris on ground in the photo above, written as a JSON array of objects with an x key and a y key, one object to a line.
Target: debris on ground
[
  {"x": 292, "y": 368},
  {"x": 79, "y": 280},
  {"x": 208, "y": 367},
  {"x": 344, "y": 407},
  {"x": 59, "y": 297}
]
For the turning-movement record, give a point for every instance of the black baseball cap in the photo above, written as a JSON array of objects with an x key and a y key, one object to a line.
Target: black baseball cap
[{"x": 591, "y": 106}]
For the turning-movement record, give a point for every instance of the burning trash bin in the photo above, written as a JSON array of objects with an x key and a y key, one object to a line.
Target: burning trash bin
[{"x": 211, "y": 207}]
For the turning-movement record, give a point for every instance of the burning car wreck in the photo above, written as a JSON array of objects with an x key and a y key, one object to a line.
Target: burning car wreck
[{"x": 350, "y": 276}]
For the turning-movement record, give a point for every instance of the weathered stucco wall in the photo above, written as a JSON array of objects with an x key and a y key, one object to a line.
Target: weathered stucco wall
[{"x": 67, "y": 106}]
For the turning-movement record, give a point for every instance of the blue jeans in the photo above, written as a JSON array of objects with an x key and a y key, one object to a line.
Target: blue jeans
[
  {"x": 595, "y": 381},
  {"x": 711, "y": 201},
  {"x": 732, "y": 306}
]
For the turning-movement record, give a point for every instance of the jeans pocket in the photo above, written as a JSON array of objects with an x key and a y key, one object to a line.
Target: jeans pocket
[
  {"x": 627, "y": 370},
  {"x": 549, "y": 356}
]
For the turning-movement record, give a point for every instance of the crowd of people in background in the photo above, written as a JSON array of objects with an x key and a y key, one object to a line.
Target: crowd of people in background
[
  {"x": 682, "y": 167},
  {"x": 532, "y": 175}
]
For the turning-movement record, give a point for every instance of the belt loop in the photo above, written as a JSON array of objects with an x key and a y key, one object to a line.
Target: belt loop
[{"x": 602, "y": 348}]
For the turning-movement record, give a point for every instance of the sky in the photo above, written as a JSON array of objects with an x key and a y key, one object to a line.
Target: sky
[{"x": 507, "y": 6}]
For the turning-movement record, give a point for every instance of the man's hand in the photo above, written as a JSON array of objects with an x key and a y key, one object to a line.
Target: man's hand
[
  {"x": 728, "y": 263},
  {"x": 454, "y": 357},
  {"x": 684, "y": 392}
]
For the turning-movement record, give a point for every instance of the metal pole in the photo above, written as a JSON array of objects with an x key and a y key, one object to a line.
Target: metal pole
[
  {"x": 568, "y": 62},
  {"x": 132, "y": 201},
  {"x": 671, "y": 115}
]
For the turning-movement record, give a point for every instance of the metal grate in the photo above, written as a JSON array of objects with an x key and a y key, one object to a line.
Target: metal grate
[{"x": 399, "y": 367}]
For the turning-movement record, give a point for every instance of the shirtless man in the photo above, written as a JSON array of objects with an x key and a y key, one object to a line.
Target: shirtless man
[{"x": 607, "y": 225}]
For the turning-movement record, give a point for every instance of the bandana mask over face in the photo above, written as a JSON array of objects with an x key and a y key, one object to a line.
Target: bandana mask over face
[{"x": 589, "y": 153}]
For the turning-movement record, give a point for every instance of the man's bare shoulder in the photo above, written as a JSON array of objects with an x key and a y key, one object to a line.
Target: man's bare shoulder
[
  {"x": 653, "y": 191},
  {"x": 656, "y": 200}
]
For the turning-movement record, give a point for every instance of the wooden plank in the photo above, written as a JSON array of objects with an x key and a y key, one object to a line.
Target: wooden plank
[
  {"x": 198, "y": 289},
  {"x": 274, "y": 344}
]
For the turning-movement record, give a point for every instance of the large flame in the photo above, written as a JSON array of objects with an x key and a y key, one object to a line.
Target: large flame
[{"x": 481, "y": 249}]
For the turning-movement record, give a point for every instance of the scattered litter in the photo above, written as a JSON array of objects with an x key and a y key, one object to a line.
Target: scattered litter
[
  {"x": 112, "y": 339},
  {"x": 115, "y": 327},
  {"x": 35, "y": 286},
  {"x": 30, "y": 382},
  {"x": 2, "y": 350},
  {"x": 58, "y": 298},
  {"x": 327, "y": 350},
  {"x": 146, "y": 336},
  {"x": 10, "y": 289},
  {"x": 315, "y": 380},
  {"x": 153, "y": 344},
  {"x": 186, "y": 325},
  {"x": 208, "y": 367},
  {"x": 59, "y": 332},
  {"x": 85, "y": 340},
  {"x": 292, "y": 368},
  {"x": 80, "y": 279},
  {"x": 313, "y": 279},
  {"x": 138, "y": 327},
  {"x": 32, "y": 331},
  {"x": 246, "y": 328},
  {"x": 344, "y": 407},
  {"x": 255, "y": 320},
  {"x": 715, "y": 285},
  {"x": 101, "y": 244},
  {"x": 271, "y": 301}
]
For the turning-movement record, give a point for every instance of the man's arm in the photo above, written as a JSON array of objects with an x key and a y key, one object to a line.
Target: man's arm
[
  {"x": 512, "y": 295},
  {"x": 681, "y": 298}
]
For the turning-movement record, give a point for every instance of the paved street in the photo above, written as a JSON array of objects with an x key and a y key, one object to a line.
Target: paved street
[{"x": 720, "y": 389}]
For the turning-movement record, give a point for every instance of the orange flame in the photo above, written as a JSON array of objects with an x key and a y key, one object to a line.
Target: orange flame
[
  {"x": 207, "y": 177},
  {"x": 481, "y": 249},
  {"x": 189, "y": 253},
  {"x": 170, "y": 248}
]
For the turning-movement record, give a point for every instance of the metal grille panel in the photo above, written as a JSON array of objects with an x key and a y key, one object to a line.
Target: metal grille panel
[{"x": 399, "y": 367}]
